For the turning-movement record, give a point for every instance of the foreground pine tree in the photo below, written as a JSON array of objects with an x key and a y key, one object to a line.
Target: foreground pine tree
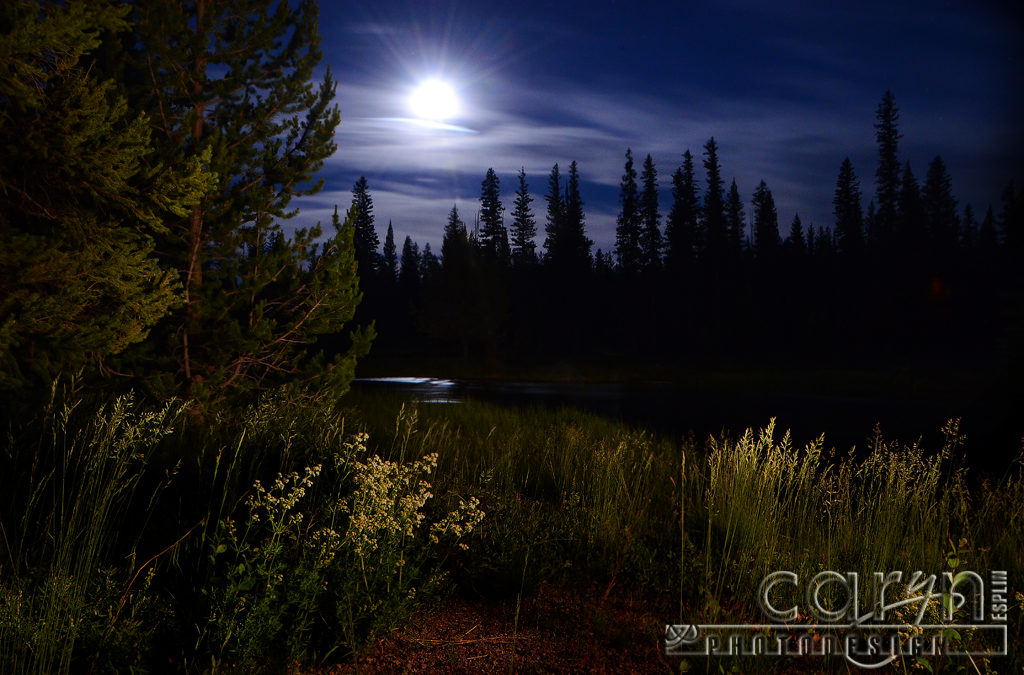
[
  {"x": 83, "y": 198},
  {"x": 232, "y": 82}
]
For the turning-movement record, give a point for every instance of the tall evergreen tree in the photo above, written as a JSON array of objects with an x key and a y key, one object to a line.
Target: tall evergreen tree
[
  {"x": 683, "y": 219},
  {"x": 988, "y": 239},
  {"x": 910, "y": 235},
  {"x": 870, "y": 235},
  {"x": 493, "y": 235},
  {"x": 650, "y": 218},
  {"x": 389, "y": 261},
  {"x": 969, "y": 229},
  {"x": 455, "y": 305},
  {"x": 524, "y": 226},
  {"x": 365, "y": 238},
  {"x": 825, "y": 243},
  {"x": 887, "y": 175},
  {"x": 940, "y": 208},
  {"x": 766, "y": 224},
  {"x": 429, "y": 265},
  {"x": 627, "y": 227},
  {"x": 1011, "y": 220},
  {"x": 409, "y": 274},
  {"x": 234, "y": 81},
  {"x": 795, "y": 240},
  {"x": 555, "y": 226},
  {"x": 846, "y": 208},
  {"x": 83, "y": 196},
  {"x": 735, "y": 221},
  {"x": 574, "y": 241},
  {"x": 455, "y": 242},
  {"x": 714, "y": 205}
]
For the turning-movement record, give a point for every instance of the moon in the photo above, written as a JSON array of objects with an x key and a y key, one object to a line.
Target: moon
[{"x": 434, "y": 100}]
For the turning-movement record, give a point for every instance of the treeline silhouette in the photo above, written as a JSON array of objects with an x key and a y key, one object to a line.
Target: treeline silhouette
[{"x": 913, "y": 279}]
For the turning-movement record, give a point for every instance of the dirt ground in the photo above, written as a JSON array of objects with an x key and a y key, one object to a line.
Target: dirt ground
[{"x": 558, "y": 631}]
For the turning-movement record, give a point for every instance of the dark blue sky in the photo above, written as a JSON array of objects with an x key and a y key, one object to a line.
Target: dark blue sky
[{"x": 787, "y": 89}]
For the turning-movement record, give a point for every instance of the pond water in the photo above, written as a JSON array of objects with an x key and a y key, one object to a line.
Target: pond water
[{"x": 678, "y": 409}]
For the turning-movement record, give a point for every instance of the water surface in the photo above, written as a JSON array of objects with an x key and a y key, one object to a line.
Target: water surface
[{"x": 847, "y": 420}]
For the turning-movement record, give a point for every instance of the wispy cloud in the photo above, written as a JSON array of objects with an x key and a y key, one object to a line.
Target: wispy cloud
[{"x": 428, "y": 166}]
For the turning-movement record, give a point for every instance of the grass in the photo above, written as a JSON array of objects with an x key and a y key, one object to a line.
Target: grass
[{"x": 134, "y": 538}]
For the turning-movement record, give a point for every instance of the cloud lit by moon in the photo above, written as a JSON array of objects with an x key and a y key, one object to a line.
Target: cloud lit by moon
[{"x": 428, "y": 124}]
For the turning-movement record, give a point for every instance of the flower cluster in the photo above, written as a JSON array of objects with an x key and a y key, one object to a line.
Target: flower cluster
[
  {"x": 387, "y": 501},
  {"x": 282, "y": 497},
  {"x": 459, "y": 522}
]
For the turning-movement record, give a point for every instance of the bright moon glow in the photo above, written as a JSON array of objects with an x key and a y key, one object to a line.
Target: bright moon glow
[{"x": 434, "y": 100}]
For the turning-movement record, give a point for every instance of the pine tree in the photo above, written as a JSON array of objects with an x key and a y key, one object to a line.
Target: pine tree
[
  {"x": 714, "y": 205},
  {"x": 458, "y": 303},
  {"x": 940, "y": 209},
  {"x": 735, "y": 221},
  {"x": 574, "y": 242},
  {"x": 795, "y": 241},
  {"x": 430, "y": 264},
  {"x": 409, "y": 274},
  {"x": 846, "y": 209},
  {"x": 650, "y": 218},
  {"x": 232, "y": 82},
  {"x": 910, "y": 235},
  {"x": 825, "y": 242},
  {"x": 524, "y": 226},
  {"x": 1011, "y": 220},
  {"x": 766, "y": 224},
  {"x": 969, "y": 231},
  {"x": 493, "y": 235},
  {"x": 870, "y": 230},
  {"x": 683, "y": 219},
  {"x": 389, "y": 261},
  {"x": 366, "y": 240},
  {"x": 987, "y": 238},
  {"x": 83, "y": 197},
  {"x": 627, "y": 227},
  {"x": 555, "y": 226},
  {"x": 887, "y": 176},
  {"x": 455, "y": 243}
]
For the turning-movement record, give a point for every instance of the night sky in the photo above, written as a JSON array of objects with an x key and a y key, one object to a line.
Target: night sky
[{"x": 787, "y": 89}]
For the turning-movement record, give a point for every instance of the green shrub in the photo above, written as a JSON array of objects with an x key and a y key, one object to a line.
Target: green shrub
[{"x": 360, "y": 549}]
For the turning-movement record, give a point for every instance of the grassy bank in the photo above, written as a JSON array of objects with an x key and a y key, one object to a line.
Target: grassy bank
[{"x": 291, "y": 534}]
